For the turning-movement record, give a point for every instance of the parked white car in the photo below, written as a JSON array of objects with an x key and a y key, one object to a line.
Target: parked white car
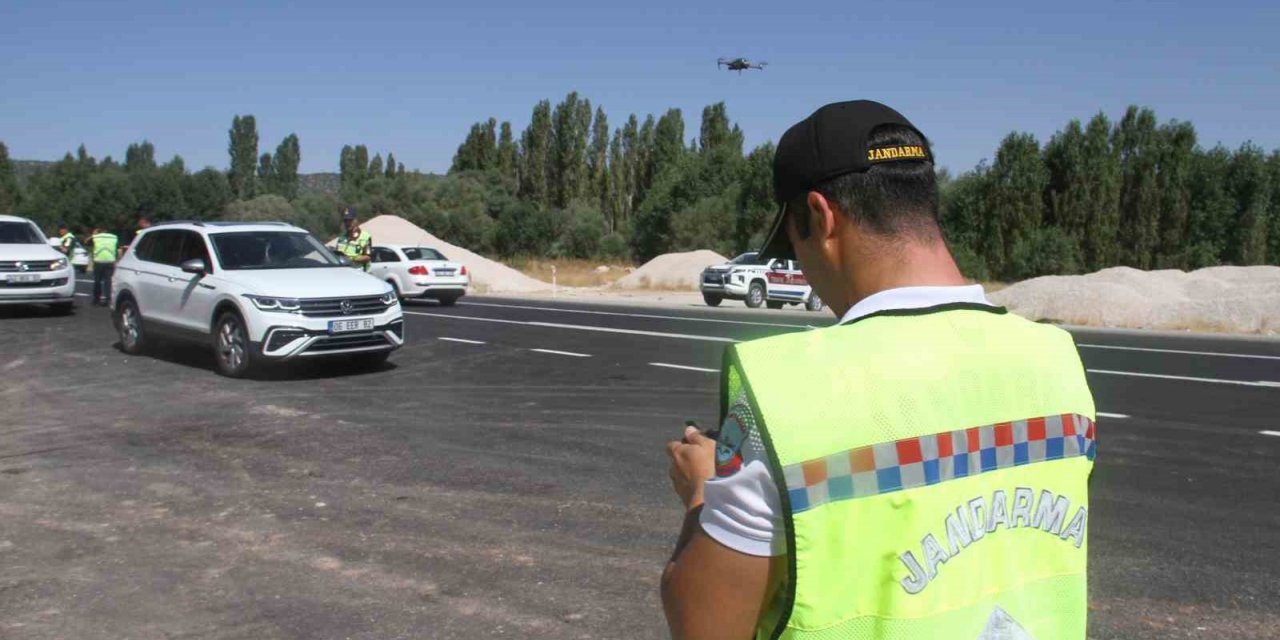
[
  {"x": 255, "y": 292},
  {"x": 773, "y": 283},
  {"x": 419, "y": 272},
  {"x": 32, "y": 272},
  {"x": 79, "y": 254}
]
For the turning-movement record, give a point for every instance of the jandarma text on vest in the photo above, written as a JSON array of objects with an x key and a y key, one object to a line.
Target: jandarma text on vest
[{"x": 980, "y": 516}]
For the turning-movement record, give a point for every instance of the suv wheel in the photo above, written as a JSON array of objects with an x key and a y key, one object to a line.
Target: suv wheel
[
  {"x": 712, "y": 301},
  {"x": 133, "y": 340},
  {"x": 231, "y": 348},
  {"x": 814, "y": 303},
  {"x": 755, "y": 295}
]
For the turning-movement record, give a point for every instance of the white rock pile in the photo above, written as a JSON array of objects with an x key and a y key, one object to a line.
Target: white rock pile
[
  {"x": 1225, "y": 299},
  {"x": 671, "y": 271}
]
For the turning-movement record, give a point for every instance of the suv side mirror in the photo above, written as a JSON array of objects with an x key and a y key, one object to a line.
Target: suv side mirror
[{"x": 195, "y": 265}]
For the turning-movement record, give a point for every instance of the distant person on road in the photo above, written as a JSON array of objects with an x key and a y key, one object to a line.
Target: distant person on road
[
  {"x": 144, "y": 222},
  {"x": 66, "y": 241},
  {"x": 355, "y": 242},
  {"x": 104, "y": 248},
  {"x": 919, "y": 470}
]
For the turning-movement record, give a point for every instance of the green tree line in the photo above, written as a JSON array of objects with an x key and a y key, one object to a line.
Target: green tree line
[{"x": 1134, "y": 192}]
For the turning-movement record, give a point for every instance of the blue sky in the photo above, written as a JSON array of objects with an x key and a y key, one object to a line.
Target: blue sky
[{"x": 410, "y": 78}]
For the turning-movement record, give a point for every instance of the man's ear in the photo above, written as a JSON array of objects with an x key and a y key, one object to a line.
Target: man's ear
[{"x": 822, "y": 217}]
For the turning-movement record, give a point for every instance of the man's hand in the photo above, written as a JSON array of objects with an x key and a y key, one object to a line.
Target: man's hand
[{"x": 693, "y": 462}]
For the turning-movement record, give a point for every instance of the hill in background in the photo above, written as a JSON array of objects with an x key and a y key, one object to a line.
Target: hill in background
[{"x": 307, "y": 182}]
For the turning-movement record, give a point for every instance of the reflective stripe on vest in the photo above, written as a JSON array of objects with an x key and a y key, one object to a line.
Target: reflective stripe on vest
[
  {"x": 933, "y": 469},
  {"x": 104, "y": 247}
]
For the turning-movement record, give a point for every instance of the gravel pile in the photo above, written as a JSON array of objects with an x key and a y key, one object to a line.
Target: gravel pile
[
  {"x": 1225, "y": 299},
  {"x": 671, "y": 271},
  {"x": 487, "y": 276}
]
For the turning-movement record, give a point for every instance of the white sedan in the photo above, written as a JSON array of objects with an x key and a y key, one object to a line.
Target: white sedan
[{"x": 419, "y": 272}]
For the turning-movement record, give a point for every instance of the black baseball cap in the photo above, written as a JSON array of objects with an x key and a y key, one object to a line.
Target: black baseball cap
[{"x": 831, "y": 142}]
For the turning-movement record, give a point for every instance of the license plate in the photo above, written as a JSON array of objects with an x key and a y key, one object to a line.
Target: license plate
[
  {"x": 25, "y": 277},
  {"x": 344, "y": 326},
  {"x": 444, "y": 272}
]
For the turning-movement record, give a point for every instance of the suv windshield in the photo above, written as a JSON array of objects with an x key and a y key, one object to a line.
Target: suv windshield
[
  {"x": 746, "y": 258},
  {"x": 20, "y": 233},
  {"x": 270, "y": 250},
  {"x": 422, "y": 253}
]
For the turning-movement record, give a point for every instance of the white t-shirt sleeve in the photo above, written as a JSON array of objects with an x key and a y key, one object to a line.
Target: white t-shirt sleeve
[{"x": 741, "y": 507}]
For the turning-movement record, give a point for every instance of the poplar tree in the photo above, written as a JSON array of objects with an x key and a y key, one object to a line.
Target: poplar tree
[
  {"x": 1135, "y": 140},
  {"x": 391, "y": 166},
  {"x": 1273, "y": 230},
  {"x": 1212, "y": 211},
  {"x": 9, "y": 195},
  {"x": 598, "y": 159},
  {"x": 668, "y": 143},
  {"x": 507, "y": 152},
  {"x": 140, "y": 157},
  {"x": 375, "y": 167},
  {"x": 1177, "y": 146},
  {"x": 567, "y": 176},
  {"x": 1249, "y": 183},
  {"x": 361, "y": 165},
  {"x": 1015, "y": 194},
  {"x": 288, "y": 157},
  {"x": 1102, "y": 191},
  {"x": 243, "y": 149},
  {"x": 535, "y": 150},
  {"x": 266, "y": 175}
]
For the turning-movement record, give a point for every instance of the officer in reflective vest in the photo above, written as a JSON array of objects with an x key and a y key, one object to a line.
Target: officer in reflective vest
[
  {"x": 355, "y": 242},
  {"x": 918, "y": 470},
  {"x": 103, "y": 247},
  {"x": 66, "y": 241}
]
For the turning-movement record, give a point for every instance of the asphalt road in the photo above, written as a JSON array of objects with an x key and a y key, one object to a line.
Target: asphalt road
[{"x": 504, "y": 476}]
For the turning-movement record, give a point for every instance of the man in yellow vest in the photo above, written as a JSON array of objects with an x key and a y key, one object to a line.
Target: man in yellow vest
[
  {"x": 66, "y": 241},
  {"x": 919, "y": 470},
  {"x": 355, "y": 242},
  {"x": 103, "y": 248}
]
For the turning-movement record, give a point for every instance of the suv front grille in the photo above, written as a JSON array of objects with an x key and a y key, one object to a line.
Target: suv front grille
[
  {"x": 332, "y": 307},
  {"x": 57, "y": 282},
  {"x": 11, "y": 266}
]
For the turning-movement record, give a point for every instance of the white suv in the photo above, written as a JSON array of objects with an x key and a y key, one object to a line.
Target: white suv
[
  {"x": 774, "y": 283},
  {"x": 32, "y": 272},
  {"x": 256, "y": 292}
]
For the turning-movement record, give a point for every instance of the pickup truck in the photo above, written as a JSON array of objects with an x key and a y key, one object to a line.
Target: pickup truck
[{"x": 773, "y": 283}]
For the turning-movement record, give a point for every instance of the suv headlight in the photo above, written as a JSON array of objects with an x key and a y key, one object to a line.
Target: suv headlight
[
  {"x": 60, "y": 263},
  {"x": 281, "y": 305},
  {"x": 389, "y": 298}
]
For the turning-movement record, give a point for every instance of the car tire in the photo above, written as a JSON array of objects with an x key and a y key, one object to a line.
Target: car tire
[
  {"x": 232, "y": 351},
  {"x": 712, "y": 301},
  {"x": 755, "y": 295},
  {"x": 129, "y": 326},
  {"x": 814, "y": 303},
  {"x": 774, "y": 305}
]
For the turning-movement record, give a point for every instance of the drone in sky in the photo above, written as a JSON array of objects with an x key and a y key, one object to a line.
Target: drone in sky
[{"x": 739, "y": 64}]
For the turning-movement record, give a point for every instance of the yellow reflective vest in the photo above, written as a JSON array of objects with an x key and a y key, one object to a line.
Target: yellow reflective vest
[
  {"x": 355, "y": 248},
  {"x": 933, "y": 471},
  {"x": 105, "y": 246}
]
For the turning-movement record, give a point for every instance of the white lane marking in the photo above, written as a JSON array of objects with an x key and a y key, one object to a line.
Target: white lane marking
[
  {"x": 1270, "y": 433},
  {"x": 563, "y": 353},
  {"x": 578, "y": 327},
  {"x": 634, "y": 332},
  {"x": 1192, "y": 353},
  {"x": 682, "y": 366},
  {"x": 635, "y": 315},
  {"x": 1111, "y": 415},
  {"x": 1245, "y": 383},
  {"x": 464, "y": 341}
]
